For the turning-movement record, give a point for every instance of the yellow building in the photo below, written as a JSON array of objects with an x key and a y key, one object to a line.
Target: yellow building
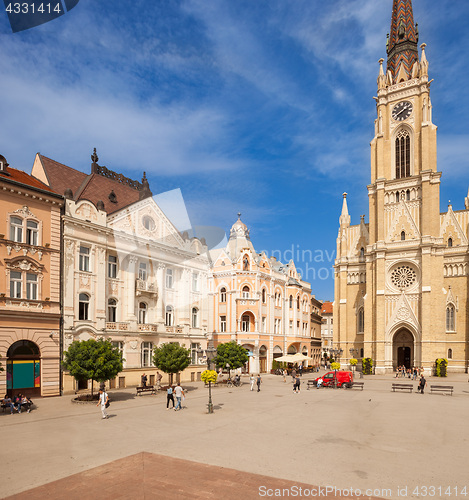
[
  {"x": 259, "y": 302},
  {"x": 401, "y": 280},
  {"x": 30, "y": 340}
]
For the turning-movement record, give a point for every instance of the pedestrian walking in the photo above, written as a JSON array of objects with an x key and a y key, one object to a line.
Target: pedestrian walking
[
  {"x": 414, "y": 376},
  {"x": 103, "y": 401},
  {"x": 296, "y": 385},
  {"x": 300, "y": 369},
  {"x": 285, "y": 373},
  {"x": 422, "y": 384},
  {"x": 144, "y": 380},
  {"x": 252, "y": 380},
  {"x": 179, "y": 395},
  {"x": 169, "y": 397},
  {"x": 259, "y": 381}
]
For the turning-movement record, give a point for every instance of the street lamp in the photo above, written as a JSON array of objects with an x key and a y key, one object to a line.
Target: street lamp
[{"x": 210, "y": 354}]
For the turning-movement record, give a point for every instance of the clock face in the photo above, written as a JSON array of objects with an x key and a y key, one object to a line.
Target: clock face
[{"x": 402, "y": 111}]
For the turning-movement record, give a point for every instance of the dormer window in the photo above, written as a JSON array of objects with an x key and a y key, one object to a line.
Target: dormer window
[{"x": 112, "y": 197}]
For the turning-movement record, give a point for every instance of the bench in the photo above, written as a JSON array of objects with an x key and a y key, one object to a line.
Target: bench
[
  {"x": 442, "y": 388},
  {"x": 358, "y": 385},
  {"x": 311, "y": 383},
  {"x": 146, "y": 388},
  {"x": 402, "y": 387},
  {"x": 24, "y": 406}
]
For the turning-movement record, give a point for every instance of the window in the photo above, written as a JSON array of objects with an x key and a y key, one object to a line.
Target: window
[
  {"x": 362, "y": 352},
  {"x": 169, "y": 318},
  {"x": 195, "y": 282},
  {"x": 402, "y": 152},
  {"x": 142, "y": 271},
  {"x": 245, "y": 326},
  {"x": 450, "y": 242},
  {"x": 16, "y": 229},
  {"x": 223, "y": 294},
  {"x": 112, "y": 310},
  {"x": 31, "y": 286},
  {"x": 147, "y": 348},
  {"x": 278, "y": 299},
  {"x": 298, "y": 302},
  {"x": 194, "y": 355},
  {"x": 245, "y": 292},
  {"x": 84, "y": 259},
  {"x": 264, "y": 296},
  {"x": 450, "y": 318},
  {"x": 83, "y": 306},
  {"x": 291, "y": 326},
  {"x": 264, "y": 324},
  {"x": 277, "y": 324},
  {"x": 148, "y": 223},
  {"x": 31, "y": 232},
  {"x": 403, "y": 236},
  {"x": 15, "y": 284},
  {"x": 291, "y": 301},
  {"x": 112, "y": 266},
  {"x": 222, "y": 324},
  {"x": 119, "y": 345},
  {"x": 195, "y": 317},
  {"x": 450, "y": 353},
  {"x": 169, "y": 278},
  {"x": 361, "y": 320},
  {"x": 407, "y": 195},
  {"x": 142, "y": 313},
  {"x": 362, "y": 253}
]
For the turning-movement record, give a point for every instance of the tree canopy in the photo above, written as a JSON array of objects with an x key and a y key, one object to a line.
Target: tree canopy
[
  {"x": 93, "y": 359},
  {"x": 232, "y": 353},
  {"x": 171, "y": 358}
]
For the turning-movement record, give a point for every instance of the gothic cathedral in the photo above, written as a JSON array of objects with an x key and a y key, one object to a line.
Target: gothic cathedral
[{"x": 401, "y": 281}]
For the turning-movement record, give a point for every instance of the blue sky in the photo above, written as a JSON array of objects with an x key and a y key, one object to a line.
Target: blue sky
[{"x": 258, "y": 106}]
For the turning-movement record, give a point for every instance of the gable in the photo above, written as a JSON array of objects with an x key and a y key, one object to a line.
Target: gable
[{"x": 403, "y": 221}]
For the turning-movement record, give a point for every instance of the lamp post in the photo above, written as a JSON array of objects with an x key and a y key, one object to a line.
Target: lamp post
[
  {"x": 228, "y": 370},
  {"x": 210, "y": 354}
]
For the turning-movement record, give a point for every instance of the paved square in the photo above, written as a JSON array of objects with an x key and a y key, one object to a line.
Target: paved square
[{"x": 372, "y": 440}]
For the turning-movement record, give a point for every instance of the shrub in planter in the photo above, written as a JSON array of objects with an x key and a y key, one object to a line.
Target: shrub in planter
[
  {"x": 335, "y": 366},
  {"x": 441, "y": 367},
  {"x": 367, "y": 366},
  {"x": 209, "y": 376}
]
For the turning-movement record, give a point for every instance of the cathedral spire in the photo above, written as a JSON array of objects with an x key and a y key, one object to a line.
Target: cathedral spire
[
  {"x": 402, "y": 43},
  {"x": 344, "y": 219}
]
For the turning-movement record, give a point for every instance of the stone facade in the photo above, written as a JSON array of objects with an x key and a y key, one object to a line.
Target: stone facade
[
  {"x": 401, "y": 280},
  {"x": 259, "y": 302}
]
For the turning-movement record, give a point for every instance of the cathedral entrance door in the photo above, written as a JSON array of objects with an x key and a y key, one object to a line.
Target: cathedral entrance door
[{"x": 403, "y": 348}]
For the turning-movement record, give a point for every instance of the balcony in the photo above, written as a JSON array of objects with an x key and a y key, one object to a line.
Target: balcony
[
  {"x": 117, "y": 327},
  {"x": 143, "y": 286},
  {"x": 147, "y": 328}
]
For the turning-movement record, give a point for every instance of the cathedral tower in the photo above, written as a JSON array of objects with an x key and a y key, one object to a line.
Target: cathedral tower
[{"x": 391, "y": 291}]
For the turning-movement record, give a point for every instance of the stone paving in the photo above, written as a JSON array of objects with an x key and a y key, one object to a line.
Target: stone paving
[{"x": 374, "y": 440}]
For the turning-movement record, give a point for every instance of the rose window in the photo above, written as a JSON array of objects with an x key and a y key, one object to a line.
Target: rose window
[{"x": 403, "y": 277}]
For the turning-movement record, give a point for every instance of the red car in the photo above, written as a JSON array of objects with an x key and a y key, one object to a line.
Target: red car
[{"x": 344, "y": 379}]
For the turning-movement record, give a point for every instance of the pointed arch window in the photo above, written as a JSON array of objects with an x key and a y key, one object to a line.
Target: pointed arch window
[
  {"x": 403, "y": 236},
  {"x": 450, "y": 318},
  {"x": 291, "y": 301},
  {"x": 361, "y": 320},
  {"x": 450, "y": 353},
  {"x": 223, "y": 294},
  {"x": 402, "y": 151},
  {"x": 450, "y": 242},
  {"x": 245, "y": 292},
  {"x": 264, "y": 296}
]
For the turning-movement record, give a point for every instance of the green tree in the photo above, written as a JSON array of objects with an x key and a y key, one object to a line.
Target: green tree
[
  {"x": 95, "y": 360},
  {"x": 232, "y": 353},
  {"x": 171, "y": 358}
]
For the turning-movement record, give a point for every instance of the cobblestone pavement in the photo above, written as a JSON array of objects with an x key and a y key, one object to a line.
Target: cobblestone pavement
[{"x": 383, "y": 443}]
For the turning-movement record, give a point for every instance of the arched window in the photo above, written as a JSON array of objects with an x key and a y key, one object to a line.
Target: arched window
[
  {"x": 361, "y": 320},
  {"x": 397, "y": 196},
  {"x": 450, "y": 353},
  {"x": 298, "y": 302},
  {"x": 112, "y": 310},
  {"x": 450, "y": 318},
  {"x": 450, "y": 242},
  {"x": 142, "y": 313},
  {"x": 407, "y": 195},
  {"x": 362, "y": 253},
  {"x": 291, "y": 301},
  {"x": 195, "y": 317},
  {"x": 403, "y": 236},
  {"x": 83, "y": 306},
  {"x": 245, "y": 292},
  {"x": 169, "y": 318},
  {"x": 223, "y": 294},
  {"x": 264, "y": 296},
  {"x": 362, "y": 352},
  {"x": 402, "y": 150}
]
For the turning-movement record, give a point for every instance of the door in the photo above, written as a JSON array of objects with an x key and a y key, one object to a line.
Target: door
[{"x": 403, "y": 356}]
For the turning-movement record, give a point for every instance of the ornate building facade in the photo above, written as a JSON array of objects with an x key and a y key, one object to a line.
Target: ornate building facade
[
  {"x": 401, "y": 280},
  {"x": 128, "y": 274},
  {"x": 259, "y": 302},
  {"x": 30, "y": 249}
]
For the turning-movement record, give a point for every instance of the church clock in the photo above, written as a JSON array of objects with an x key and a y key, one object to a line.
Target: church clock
[{"x": 402, "y": 111}]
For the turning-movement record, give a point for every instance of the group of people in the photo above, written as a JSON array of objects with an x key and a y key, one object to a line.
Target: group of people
[
  {"x": 257, "y": 380},
  {"x": 179, "y": 392},
  {"x": 413, "y": 373},
  {"x": 158, "y": 380},
  {"x": 17, "y": 403}
]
